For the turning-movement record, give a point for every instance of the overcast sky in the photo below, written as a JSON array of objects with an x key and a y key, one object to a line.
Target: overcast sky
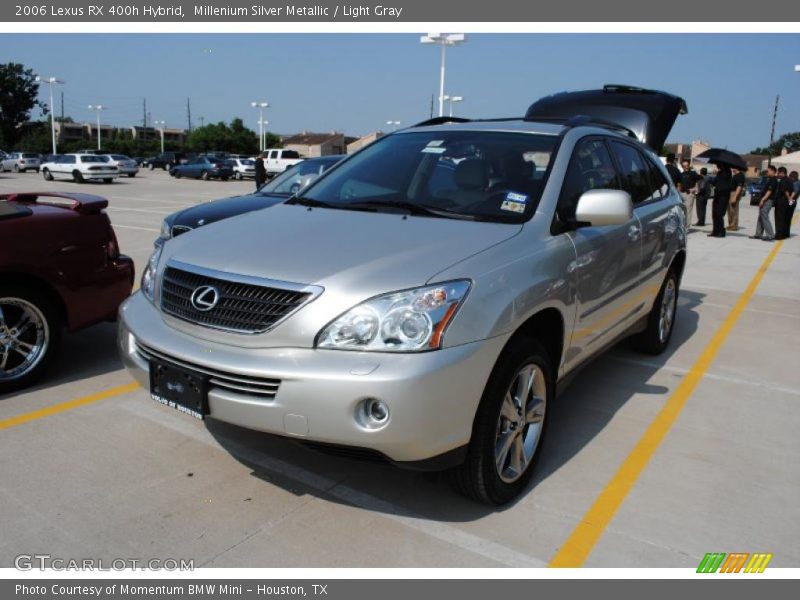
[{"x": 354, "y": 83}]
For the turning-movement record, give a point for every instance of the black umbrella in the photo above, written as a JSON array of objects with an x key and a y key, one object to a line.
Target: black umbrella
[{"x": 720, "y": 156}]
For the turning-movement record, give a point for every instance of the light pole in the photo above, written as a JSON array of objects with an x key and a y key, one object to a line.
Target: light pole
[
  {"x": 97, "y": 108},
  {"x": 444, "y": 40},
  {"x": 263, "y": 124},
  {"x": 797, "y": 68},
  {"x": 453, "y": 99},
  {"x": 260, "y": 106},
  {"x": 163, "y": 127},
  {"x": 394, "y": 124},
  {"x": 51, "y": 81}
]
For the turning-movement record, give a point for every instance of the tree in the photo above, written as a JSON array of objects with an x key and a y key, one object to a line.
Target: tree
[
  {"x": 791, "y": 141},
  {"x": 18, "y": 95},
  {"x": 223, "y": 137}
]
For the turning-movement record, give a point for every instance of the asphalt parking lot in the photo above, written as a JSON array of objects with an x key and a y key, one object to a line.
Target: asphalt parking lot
[{"x": 119, "y": 476}]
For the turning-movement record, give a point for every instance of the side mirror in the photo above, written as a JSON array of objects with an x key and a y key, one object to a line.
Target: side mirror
[{"x": 604, "y": 207}]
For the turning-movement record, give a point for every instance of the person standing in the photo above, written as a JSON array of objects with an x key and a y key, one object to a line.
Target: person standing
[
  {"x": 703, "y": 194},
  {"x": 722, "y": 198},
  {"x": 261, "y": 171},
  {"x": 737, "y": 185},
  {"x": 764, "y": 229},
  {"x": 792, "y": 201},
  {"x": 674, "y": 172},
  {"x": 782, "y": 198},
  {"x": 688, "y": 187}
]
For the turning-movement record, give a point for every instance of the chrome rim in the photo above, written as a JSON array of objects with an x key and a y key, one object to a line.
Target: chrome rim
[
  {"x": 667, "y": 315},
  {"x": 519, "y": 425},
  {"x": 24, "y": 336}
]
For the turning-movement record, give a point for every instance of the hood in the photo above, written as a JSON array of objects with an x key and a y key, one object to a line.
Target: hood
[
  {"x": 210, "y": 212},
  {"x": 341, "y": 249},
  {"x": 648, "y": 114}
]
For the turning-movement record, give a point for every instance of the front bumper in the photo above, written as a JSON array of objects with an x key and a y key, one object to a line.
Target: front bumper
[{"x": 432, "y": 397}]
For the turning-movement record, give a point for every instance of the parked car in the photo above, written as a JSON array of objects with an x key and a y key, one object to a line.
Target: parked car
[
  {"x": 421, "y": 301},
  {"x": 80, "y": 168},
  {"x": 278, "y": 161},
  {"x": 166, "y": 160},
  {"x": 126, "y": 165},
  {"x": 203, "y": 168},
  {"x": 273, "y": 192},
  {"x": 20, "y": 162},
  {"x": 243, "y": 167},
  {"x": 60, "y": 269}
]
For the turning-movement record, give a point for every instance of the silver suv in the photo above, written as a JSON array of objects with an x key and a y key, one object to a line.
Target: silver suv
[{"x": 421, "y": 301}]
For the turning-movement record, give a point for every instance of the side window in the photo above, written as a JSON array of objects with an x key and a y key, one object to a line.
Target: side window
[
  {"x": 633, "y": 171},
  {"x": 70, "y": 160},
  {"x": 590, "y": 168},
  {"x": 658, "y": 183},
  {"x": 273, "y": 154}
]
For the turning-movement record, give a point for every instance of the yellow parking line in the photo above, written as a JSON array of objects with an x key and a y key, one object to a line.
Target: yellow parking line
[
  {"x": 65, "y": 406},
  {"x": 582, "y": 540}
]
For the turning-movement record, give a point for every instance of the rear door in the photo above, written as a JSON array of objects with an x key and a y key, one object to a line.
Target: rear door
[{"x": 607, "y": 269}]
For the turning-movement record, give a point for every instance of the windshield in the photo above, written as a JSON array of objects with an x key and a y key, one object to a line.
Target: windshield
[
  {"x": 298, "y": 176},
  {"x": 484, "y": 175}
]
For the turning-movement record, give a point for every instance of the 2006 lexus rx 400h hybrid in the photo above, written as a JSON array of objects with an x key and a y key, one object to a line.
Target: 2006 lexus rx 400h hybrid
[{"x": 421, "y": 301}]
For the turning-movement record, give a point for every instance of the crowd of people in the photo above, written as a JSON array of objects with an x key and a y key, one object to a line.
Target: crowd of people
[{"x": 726, "y": 189}]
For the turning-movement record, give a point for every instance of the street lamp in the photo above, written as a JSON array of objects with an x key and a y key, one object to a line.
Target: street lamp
[
  {"x": 453, "y": 99},
  {"x": 797, "y": 68},
  {"x": 97, "y": 108},
  {"x": 444, "y": 40},
  {"x": 163, "y": 127},
  {"x": 394, "y": 124},
  {"x": 263, "y": 124},
  {"x": 51, "y": 81},
  {"x": 260, "y": 106}
]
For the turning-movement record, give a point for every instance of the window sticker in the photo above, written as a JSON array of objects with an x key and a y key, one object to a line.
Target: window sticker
[
  {"x": 514, "y": 202},
  {"x": 433, "y": 150}
]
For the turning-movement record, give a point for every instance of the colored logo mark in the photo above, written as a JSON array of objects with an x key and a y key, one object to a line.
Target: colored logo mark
[{"x": 719, "y": 562}]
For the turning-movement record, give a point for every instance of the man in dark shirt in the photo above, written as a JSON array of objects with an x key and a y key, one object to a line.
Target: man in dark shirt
[
  {"x": 764, "y": 229},
  {"x": 261, "y": 171},
  {"x": 737, "y": 189},
  {"x": 722, "y": 197},
  {"x": 703, "y": 194},
  {"x": 782, "y": 198},
  {"x": 688, "y": 188},
  {"x": 674, "y": 172},
  {"x": 792, "y": 201}
]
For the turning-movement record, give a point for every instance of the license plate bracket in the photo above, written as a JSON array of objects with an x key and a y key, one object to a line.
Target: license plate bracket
[{"x": 179, "y": 388}]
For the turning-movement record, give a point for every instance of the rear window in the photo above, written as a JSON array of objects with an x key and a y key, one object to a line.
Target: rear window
[
  {"x": 90, "y": 158},
  {"x": 29, "y": 155},
  {"x": 119, "y": 157},
  {"x": 290, "y": 154}
]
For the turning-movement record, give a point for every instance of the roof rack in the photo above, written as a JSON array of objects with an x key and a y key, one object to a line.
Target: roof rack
[{"x": 440, "y": 121}]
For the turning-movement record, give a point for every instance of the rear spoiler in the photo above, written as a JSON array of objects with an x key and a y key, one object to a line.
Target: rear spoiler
[{"x": 84, "y": 204}]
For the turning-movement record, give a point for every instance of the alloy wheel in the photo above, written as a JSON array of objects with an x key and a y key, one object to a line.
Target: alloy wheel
[{"x": 24, "y": 337}]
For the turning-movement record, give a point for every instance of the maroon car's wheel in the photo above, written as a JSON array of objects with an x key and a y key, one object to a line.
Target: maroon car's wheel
[{"x": 30, "y": 332}]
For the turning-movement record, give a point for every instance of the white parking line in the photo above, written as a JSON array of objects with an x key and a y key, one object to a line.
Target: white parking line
[
  {"x": 134, "y": 227},
  {"x": 166, "y": 211}
]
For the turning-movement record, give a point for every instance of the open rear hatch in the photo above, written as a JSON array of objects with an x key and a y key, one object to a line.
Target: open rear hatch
[
  {"x": 648, "y": 114},
  {"x": 81, "y": 203}
]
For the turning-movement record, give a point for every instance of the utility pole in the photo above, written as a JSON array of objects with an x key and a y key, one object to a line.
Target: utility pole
[
  {"x": 62, "y": 107},
  {"x": 144, "y": 113},
  {"x": 772, "y": 133},
  {"x": 202, "y": 121},
  {"x": 189, "y": 114},
  {"x": 431, "y": 106}
]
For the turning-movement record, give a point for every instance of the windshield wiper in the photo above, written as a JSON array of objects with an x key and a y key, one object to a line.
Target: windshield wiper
[
  {"x": 311, "y": 202},
  {"x": 412, "y": 208}
]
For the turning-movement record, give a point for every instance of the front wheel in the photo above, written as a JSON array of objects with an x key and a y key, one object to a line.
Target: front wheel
[
  {"x": 509, "y": 425},
  {"x": 661, "y": 321},
  {"x": 237, "y": 176},
  {"x": 204, "y": 175},
  {"x": 48, "y": 176},
  {"x": 30, "y": 332},
  {"x": 168, "y": 166},
  {"x": 77, "y": 176},
  {"x": 108, "y": 180},
  {"x": 152, "y": 166}
]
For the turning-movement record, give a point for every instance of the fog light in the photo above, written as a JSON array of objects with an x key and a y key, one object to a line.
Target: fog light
[{"x": 372, "y": 413}]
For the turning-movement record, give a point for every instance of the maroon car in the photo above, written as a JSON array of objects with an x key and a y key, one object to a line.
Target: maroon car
[{"x": 60, "y": 269}]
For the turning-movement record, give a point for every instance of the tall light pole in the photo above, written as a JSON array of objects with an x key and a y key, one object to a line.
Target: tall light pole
[
  {"x": 97, "y": 108},
  {"x": 163, "y": 127},
  {"x": 51, "y": 81},
  {"x": 444, "y": 40},
  {"x": 453, "y": 99},
  {"x": 260, "y": 106},
  {"x": 394, "y": 124},
  {"x": 263, "y": 124}
]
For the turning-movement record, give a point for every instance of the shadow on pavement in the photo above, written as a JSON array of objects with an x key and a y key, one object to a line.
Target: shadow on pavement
[{"x": 577, "y": 417}]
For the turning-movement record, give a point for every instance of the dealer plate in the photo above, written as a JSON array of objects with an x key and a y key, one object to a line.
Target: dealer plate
[{"x": 179, "y": 388}]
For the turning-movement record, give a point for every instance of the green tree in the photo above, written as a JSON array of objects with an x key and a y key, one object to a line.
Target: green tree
[
  {"x": 787, "y": 140},
  {"x": 35, "y": 136},
  {"x": 18, "y": 95},
  {"x": 223, "y": 137}
]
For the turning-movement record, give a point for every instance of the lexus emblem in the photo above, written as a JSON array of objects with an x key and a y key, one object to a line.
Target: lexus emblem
[{"x": 205, "y": 298}]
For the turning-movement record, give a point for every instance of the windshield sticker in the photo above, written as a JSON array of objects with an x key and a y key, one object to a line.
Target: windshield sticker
[
  {"x": 514, "y": 202},
  {"x": 435, "y": 143},
  {"x": 433, "y": 150}
]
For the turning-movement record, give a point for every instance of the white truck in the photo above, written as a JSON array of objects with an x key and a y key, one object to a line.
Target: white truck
[{"x": 278, "y": 161}]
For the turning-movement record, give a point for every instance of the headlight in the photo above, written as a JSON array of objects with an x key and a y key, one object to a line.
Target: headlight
[
  {"x": 148, "y": 285},
  {"x": 408, "y": 321}
]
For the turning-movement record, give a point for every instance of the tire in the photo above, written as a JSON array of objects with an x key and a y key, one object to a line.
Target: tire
[
  {"x": 204, "y": 175},
  {"x": 176, "y": 174},
  {"x": 237, "y": 176},
  {"x": 108, "y": 180},
  {"x": 40, "y": 330},
  {"x": 488, "y": 474},
  {"x": 37, "y": 170},
  {"x": 224, "y": 178},
  {"x": 167, "y": 166},
  {"x": 661, "y": 320},
  {"x": 16, "y": 168},
  {"x": 152, "y": 166},
  {"x": 131, "y": 174},
  {"x": 77, "y": 177},
  {"x": 48, "y": 176}
]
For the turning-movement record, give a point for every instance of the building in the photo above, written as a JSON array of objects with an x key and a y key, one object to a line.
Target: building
[
  {"x": 315, "y": 144},
  {"x": 69, "y": 132},
  {"x": 754, "y": 162},
  {"x": 359, "y": 143}
]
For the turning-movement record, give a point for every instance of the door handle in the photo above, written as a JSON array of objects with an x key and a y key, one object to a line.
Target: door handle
[{"x": 634, "y": 232}]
